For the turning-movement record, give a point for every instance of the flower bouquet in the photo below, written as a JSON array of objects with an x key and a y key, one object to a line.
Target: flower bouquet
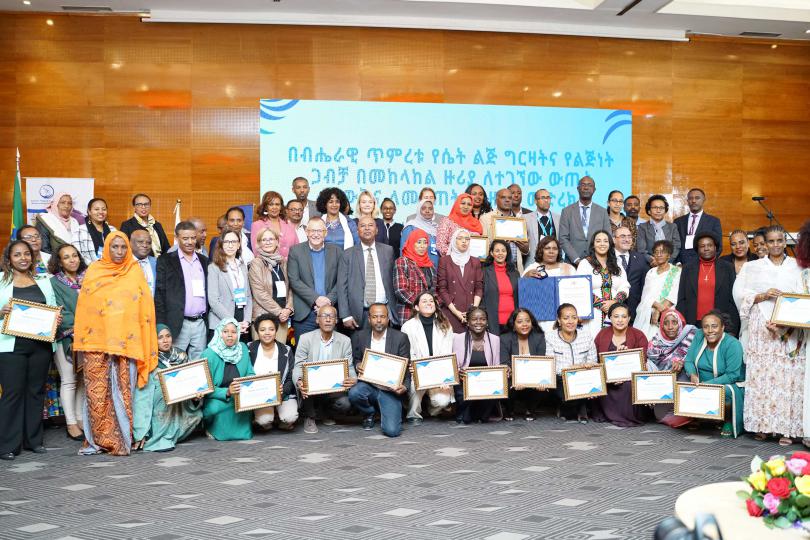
[{"x": 780, "y": 491}]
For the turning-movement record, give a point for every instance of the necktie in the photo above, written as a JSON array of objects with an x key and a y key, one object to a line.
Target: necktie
[
  {"x": 624, "y": 261},
  {"x": 370, "y": 294},
  {"x": 692, "y": 225},
  {"x": 544, "y": 223},
  {"x": 387, "y": 232},
  {"x": 585, "y": 220}
]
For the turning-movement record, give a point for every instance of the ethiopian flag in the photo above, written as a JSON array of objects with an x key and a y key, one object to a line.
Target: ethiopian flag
[{"x": 17, "y": 213}]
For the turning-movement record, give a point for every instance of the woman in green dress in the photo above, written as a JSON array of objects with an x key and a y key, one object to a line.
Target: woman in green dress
[
  {"x": 158, "y": 427},
  {"x": 228, "y": 358},
  {"x": 716, "y": 357}
]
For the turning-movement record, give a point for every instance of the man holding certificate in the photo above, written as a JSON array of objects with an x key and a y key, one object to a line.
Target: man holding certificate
[
  {"x": 368, "y": 397},
  {"x": 509, "y": 231}
]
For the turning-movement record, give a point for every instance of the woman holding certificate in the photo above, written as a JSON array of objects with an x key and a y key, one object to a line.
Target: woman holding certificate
[
  {"x": 268, "y": 355},
  {"x": 774, "y": 384},
  {"x": 269, "y": 282},
  {"x": 414, "y": 273},
  {"x": 660, "y": 289},
  {"x": 500, "y": 286},
  {"x": 802, "y": 251},
  {"x": 608, "y": 279},
  {"x": 460, "y": 283},
  {"x": 666, "y": 352},
  {"x": 475, "y": 348},
  {"x": 548, "y": 263},
  {"x": 115, "y": 329},
  {"x": 617, "y": 406},
  {"x": 430, "y": 334},
  {"x": 570, "y": 347},
  {"x": 68, "y": 269},
  {"x": 158, "y": 427},
  {"x": 716, "y": 357},
  {"x": 24, "y": 362},
  {"x": 460, "y": 217},
  {"x": 228, "y": 359},
  {"x": 524, "y": 338},
  {"x": 228, "y": 287}
]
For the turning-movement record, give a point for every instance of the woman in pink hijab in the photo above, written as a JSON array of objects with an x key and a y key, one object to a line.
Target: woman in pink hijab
[{"x": 56, "y": 226}]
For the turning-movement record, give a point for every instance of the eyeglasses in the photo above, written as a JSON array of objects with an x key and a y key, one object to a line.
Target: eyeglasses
[
  {"x": 29, "y": 237},
  {"x": 624, "y": 236},
  {"x": 230, "y": 242},
  {"x": 658, "y": 208},
  {"x": 620, "y": 201},
  {"x": 327, "y": 317},
  {"x": 143, "y": 204},
  {"x": 316, "y": 231}
]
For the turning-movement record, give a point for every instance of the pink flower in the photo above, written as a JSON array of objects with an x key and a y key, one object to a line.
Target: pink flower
[
  {"x": 771, "y": 502},
  {"x": 796, "y": 465}
]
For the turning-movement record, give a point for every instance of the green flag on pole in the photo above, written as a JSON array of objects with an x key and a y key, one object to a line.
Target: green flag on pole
[{"x": 17, "y": 212}]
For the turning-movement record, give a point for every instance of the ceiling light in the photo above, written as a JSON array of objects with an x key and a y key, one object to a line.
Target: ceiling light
[
  {"x": 525, "y": 88},
  {"x": 774, "y": 46},
  {"x": 27, "y": 2},
  {"x": 557, "y": 94},
  {"x": 49, "y": 22},
  {"x": 807, "y": 31}
]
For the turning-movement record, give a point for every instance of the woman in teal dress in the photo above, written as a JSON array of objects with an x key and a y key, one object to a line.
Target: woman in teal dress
[
  {"x": 228, "y": 358},
  {"x": 158, "y": 427},
  {"x": 717, "y": 358}
]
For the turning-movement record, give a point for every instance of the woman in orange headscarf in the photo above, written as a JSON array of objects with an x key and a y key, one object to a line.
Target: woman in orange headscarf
[
  {"x": 460, "y": 217},
  {"x": 115, "y": 330}
]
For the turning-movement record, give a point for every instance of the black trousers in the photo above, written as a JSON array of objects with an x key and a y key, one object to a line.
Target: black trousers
[
  {"x": 473, "y": 410},
  {"x": 22, "y": 377}
]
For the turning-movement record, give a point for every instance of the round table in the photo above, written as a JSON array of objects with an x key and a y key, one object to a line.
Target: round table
[{"x": 729, "y": 510}]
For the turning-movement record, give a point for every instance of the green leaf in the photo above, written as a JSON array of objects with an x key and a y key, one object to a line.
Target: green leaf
[
  {"x": 783, "y": 507},
  {"x": 792, "y": 515},
  {"x": 744, "y": 495},
  {"x": 783, "y": 523},
  {"x": 802, "y": 501}
]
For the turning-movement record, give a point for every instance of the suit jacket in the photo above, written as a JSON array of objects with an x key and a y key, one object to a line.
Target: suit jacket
[
  {"x": 313, "y": 210},
  {"x": 491, "y": 297},
  {"x": 396, "y": 343},
  {"x": 302, "y": 279},
  {"x": 707, "y": 223},
  {"x": 131, "y": 225},
  {"x": 637, "y": 269},
  {"x": 391, "y": 237},
  {"x": 723, "y": 300},
  {"x": 352, "y": 281},
  {"x": 535, "y": 234},
  {"x": 286, "y": 362},
  {"x": 170, "y": 290},
  {"x": 573, "y": 241},
  {"x": 221, "y": 295},
  {"x": 153, "y": 265},
  {"x": 646, "y": 239},
  {"x": 510, "y": 347},
  {"x": 308, "y": 349},
  {"x": 453, "y": 288}
]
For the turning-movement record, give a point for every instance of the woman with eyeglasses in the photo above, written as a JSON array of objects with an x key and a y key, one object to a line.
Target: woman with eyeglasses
[
  {"x": 30, "y": 235},
  {"x": 228, "y": 287},
  {"x": 617, "y": 219},
  {"x": 548, "y": 262},
  {"x": 270, "y": 284}
]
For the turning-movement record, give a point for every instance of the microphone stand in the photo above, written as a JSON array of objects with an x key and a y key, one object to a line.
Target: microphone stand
[{"x": 772, "y": 219}]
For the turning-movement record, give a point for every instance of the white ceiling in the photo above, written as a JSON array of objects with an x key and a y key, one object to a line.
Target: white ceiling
[{"x": 648, "y": 19}]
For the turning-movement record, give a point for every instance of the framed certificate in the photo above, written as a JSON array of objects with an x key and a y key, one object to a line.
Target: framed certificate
[
  {"x": 78, "y": 361},
  {"x": 792, "y": 310},
  {"x": 258, "y": 392},
  {"x": 584, "y": 382},
  {"x": 534, "y": 372},
  {"x": 620, "y": 365},
  {"x": 486, "y": 383},
  {"x": 435, "y": 371},
  {"x": 700, "y": 400},
  {"x": 651, "y": 387},
  {"x": 183, "y": 382},
  {"x": 577, "y": 291},
  {"x": 382, "y": 369},
  {"x": 479, "y": 246},
  {"x": 325, "y": 377},
  {"x": 31, "y": 320},
  {"x": 509, "y": 228}
]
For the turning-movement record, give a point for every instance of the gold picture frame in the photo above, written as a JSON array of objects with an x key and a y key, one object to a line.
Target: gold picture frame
[
  {"x": 641, "y": 375},
  {"x": 191, "y": 380},
  {"x": 507, "y": 237},
  {"x": 18, "y": 317},
  {"x": 802, "y": 311},
  {"x": 305, "y": 377},
  {"x": 502, "y": 394},
  {"x": 568, "y": 373},
  {"x": 391, "y": 383},
  {"x": 625, "y": 376},
  {"x": 519, "y": 359},
  {"x": 709, "y": 415},
  {"x": 476, "y": 240},
  {"x": 449, "y": 358},
  {"x": 239, "y": 407}
]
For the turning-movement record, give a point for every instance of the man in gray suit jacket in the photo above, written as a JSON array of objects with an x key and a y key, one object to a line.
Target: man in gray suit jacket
[
  {"x": 323, "y": 343},
  {"x": 312, "y": 273},
  {"x": 300, "y": 187},
  {"x": 575, "y": 219},
  {"x": 355, "y": 291},
  {"x": 540, "y": 223}
]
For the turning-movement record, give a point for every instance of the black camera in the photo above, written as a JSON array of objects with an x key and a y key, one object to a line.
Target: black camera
[{"x": 673, "y": 528}]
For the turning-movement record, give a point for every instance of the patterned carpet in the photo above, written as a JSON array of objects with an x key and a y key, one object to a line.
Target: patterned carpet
[{"x": 504, "y": 481}]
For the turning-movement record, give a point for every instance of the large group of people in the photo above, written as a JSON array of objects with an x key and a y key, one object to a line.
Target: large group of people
[{"x": 313, "y": 280}]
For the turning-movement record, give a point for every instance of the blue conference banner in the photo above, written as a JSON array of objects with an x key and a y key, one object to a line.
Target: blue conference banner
[{"x": 395, "y": 149}]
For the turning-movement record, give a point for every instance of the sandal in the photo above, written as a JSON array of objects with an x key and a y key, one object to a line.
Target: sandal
[
  {"x": 582, "y": 419},
  {"x": 728, "y": 431},
  {"x": 508, "y": 419},
  {"x": 785, "y": 441},
  {"x": 760, "y": 437},
  {"x": 529, "y": 417}
]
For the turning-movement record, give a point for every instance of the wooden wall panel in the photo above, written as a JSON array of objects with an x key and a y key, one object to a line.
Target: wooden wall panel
[{"x": 171, "y": 108}]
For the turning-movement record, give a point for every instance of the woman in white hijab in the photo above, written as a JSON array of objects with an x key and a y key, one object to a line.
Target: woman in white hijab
[
  {"x": 57, "y": 226},
  {"x": 460, "y": 282}
]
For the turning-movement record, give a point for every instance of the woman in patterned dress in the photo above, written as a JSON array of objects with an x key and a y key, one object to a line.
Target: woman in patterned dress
[{"x": 608, "y": 279}]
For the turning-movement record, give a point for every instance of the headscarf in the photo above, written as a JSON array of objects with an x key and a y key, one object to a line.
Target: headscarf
[
  {"x": 469, "y": 221},
  {"x": 409, "y": 250},
  {"x": 459, "y": 257},
  {"x": 229, "y": 355},
  {"x": 271, "y": 259},
  {"x": 149, "y": 225},
  {"x": 662, "y": 351},
  {"x": 54, "y": 210},
  {"x": 115, "y": 312},
  {"x": 419, "y": 221},
  {"x": 173, "y": 356}
]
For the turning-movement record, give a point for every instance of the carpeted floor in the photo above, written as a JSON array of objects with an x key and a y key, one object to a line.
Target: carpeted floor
[{"x": 503, "y": 481}]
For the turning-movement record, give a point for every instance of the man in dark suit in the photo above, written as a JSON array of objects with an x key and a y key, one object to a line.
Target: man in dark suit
[
  {"x": 300, "y": 187},
  {"x": 540, "y": 223},
  {"x": 312, "y": 272},
  {"x": 180, "y": 292},
  {"x": 575, "y": 219},
  {"x": 517, "y": 200},
  {"x": 634, "y": 265},
  {"x": 365, "y": 277},
  {"x": 143, "y": 220},
  {"x": 707, "y": 284},
  {"x": 141, "y": 244},
  {"x": 694, "y": 223},
  {"x": 368, "y": 397},
  {"x": 389, "y": 232}
]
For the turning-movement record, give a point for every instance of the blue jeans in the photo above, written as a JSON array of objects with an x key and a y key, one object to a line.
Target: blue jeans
[
  {"x": 307, "y": 325},
  {"x": 363, "y": 396}
]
